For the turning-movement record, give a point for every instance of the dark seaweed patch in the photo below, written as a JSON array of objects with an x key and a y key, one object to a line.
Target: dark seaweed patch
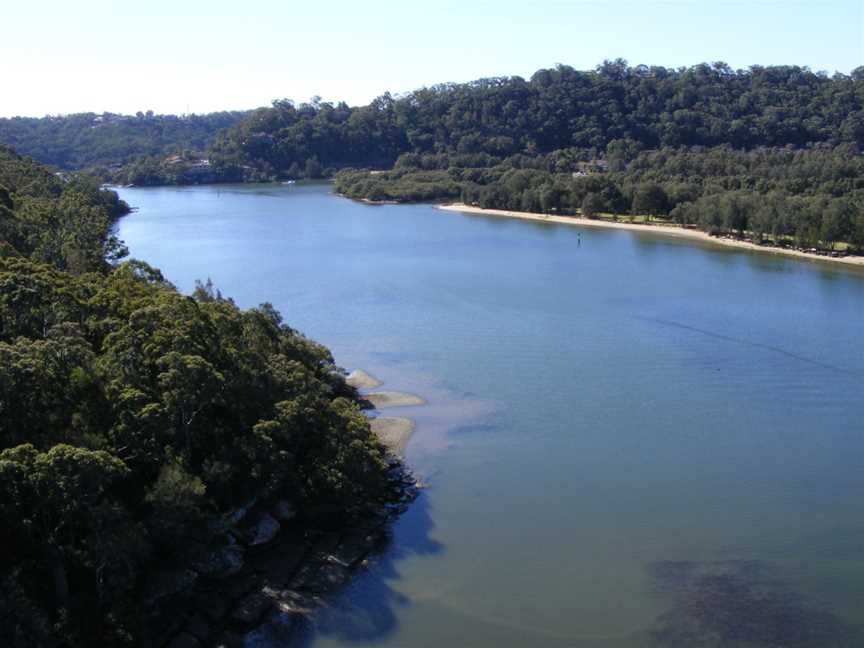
[{"x": 738, "y": 603}]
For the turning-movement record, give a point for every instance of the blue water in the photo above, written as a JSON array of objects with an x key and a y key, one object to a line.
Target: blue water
[{"x": 622, "y": 432}]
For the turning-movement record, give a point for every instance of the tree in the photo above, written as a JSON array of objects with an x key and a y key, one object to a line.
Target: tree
[
  {"x": 650, "y": 199},
  {"x": 592, "y": 204},
  {"x": 62, "y": 506},
  {"x": 313, "y": 168},
  {"x": 130, "y": 415},
  {"x": 838, "y": 222}
]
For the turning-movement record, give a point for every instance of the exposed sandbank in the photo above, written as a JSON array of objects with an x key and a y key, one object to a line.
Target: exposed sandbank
[
  {"x": 664, "y": 230},
  {"x": 384, "y": 399},
  {"x": 360, "y": 379},
  {"x": 393, "y": 432}
]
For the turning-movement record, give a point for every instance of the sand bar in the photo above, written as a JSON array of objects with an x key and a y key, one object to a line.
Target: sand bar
[
  {"x": 384, "y": 399},
  {"x": 393, "y": 432},
  {"x": 663, "y": 230},
  {"x": 359, "y": 379}
]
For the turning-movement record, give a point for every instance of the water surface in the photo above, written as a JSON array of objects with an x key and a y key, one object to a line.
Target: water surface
[{"x": 621, "y": 434}]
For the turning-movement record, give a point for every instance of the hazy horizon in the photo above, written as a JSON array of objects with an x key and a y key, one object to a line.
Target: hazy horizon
[{"x": 206, "y": 57}]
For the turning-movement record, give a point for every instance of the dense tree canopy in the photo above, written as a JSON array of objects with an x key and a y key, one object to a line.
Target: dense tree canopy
[
  {"x": 559, "y": 108},
  {"x": 88, "y": 140},
  {"x": 811, "y": 197},
  {"x": 132, "y": 416},
  {"x": 703, "y": 145}
]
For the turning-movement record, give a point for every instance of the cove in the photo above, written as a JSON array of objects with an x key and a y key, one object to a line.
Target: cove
[{"x": 620, "y": 435}]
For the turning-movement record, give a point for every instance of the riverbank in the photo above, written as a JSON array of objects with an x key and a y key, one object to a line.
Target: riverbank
[
  {"x": 275, "y": 570},
  {"x": 660, "y": 229},
  {"x": 272, "y": 570}
]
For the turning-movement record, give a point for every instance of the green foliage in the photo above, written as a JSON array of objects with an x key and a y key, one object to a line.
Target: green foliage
[
  {"x": 650, "y": 199},
  {"x": 63, "y": 223},
  {"x": 87, "y": 140},
  {"x": 813, "y": 196},
  {"x": 645, "y": 141},
  {"x": 130, "y": 415},
  {"x": 616, "y": 110}
]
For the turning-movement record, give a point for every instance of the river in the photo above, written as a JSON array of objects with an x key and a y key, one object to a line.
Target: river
[{"x": 630, "y": 440}]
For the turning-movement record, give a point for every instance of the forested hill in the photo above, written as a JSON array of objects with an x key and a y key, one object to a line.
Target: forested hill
[
  {"x": 87, "y": 140},
  {"x": 559, "y": 108},
  {"x": 134, "y": 418}
]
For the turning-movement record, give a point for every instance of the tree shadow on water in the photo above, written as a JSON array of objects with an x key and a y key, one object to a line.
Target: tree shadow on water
[{"x": 365, "y": 612}]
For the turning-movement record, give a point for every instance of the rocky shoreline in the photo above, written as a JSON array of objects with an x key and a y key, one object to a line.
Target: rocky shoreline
[{"x": 270, "y": 566}]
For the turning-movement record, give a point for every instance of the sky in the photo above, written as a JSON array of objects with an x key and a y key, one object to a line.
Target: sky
[{"x": 183, "y": 56}]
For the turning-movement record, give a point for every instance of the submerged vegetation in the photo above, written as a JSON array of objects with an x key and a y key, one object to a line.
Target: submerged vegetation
[{"x": 132, "y": 417}]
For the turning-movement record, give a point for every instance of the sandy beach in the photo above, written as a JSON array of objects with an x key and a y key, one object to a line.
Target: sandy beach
[
  {"x": 393, "y": 432},
  {"x": 662, "y": 230}
]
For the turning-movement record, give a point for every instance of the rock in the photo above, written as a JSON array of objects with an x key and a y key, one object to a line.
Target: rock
[
  {"x": 222, "y": 562},
  {"x": 262, "y": 531},
  {"x": 212, "y": 604},
  {"x": 251, "y": 610},
  {"x": 322, "y": 578},
  {"x": 282, "y": 563},
  {"x": 392, "y": 432},
  {"x": 184, "y": 640},
  {"x": 359, "y": 379},
  {"x": 283, "y": 511},
  {"x": 166, "y": 583},
  {"x": 326, "y": 544},
  {"x": 199, "y": 627},
  {"x": 353, "y": 549},
  {"x": 294, "y": 602},
  {"x": 231, "y": 640},
  {"x": 384, "y": 399},
  {"x": 236, "y": 516},
  {"x": 280, "y": 630}
]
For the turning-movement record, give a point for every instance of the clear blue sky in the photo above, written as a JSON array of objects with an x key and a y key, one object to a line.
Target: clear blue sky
[{"x": 192, "y": 56}]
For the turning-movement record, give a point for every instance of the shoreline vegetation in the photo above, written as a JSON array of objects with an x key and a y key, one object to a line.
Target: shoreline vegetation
[
  {"x": 175, "y": 470},
  {"x": 663, "y": 229},
  {"x": 291, "y": 569}
]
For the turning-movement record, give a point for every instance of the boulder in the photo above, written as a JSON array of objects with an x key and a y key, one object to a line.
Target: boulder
[
  {"x": 283, "y": 511},
  {"x": 250, "y": 610},
  {"x": 236, "y": 516},
  {"x": 213, "y": 605},
  {"x": 199, "y": 626},
  {"x": 221, "y": 562},
  {"x": 359, "y": 379},
  {"x": 184, "y": 640},
  {"x": 167, "y": 583},
  {"x": 263, "y": 530}
]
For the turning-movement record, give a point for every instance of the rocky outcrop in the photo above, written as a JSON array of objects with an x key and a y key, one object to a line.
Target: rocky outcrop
[
  {"x": 269, "y": 569},
  {"x": 359, "y": 379},
  {"x": 261, "y": 530},
  {"x": 283, "y": 511}
]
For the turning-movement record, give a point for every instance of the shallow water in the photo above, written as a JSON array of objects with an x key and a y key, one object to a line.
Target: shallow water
[{"x": 619, "y": 435}]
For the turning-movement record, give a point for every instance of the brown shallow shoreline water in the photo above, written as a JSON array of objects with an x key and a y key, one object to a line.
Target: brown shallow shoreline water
[{"x": 664, "y": 230}]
